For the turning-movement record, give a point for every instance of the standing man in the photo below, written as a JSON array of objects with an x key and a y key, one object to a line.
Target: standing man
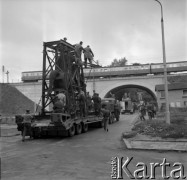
[
  {"x": 27, "y": 120},
  {"x": 78, "y": 52},
  {"x": 82, "y": 103},
  {"x": 97, "y": 103},
  {"x": 142, "y": 111},
  {"x": 88, "y": 55},
  {"x": 89, "y": 101},
  {"x": 106, "y": 115},
  {"x": 117, "y": 110}
]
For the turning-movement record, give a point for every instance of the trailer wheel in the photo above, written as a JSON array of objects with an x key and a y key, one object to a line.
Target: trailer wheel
[
  {"x": 71, "y": 131},
  {"x": 84, "y": 127},
  {"x": 78, "y": 128}
]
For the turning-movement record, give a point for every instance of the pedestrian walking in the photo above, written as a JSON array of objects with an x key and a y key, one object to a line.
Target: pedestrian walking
[
  {"x": 142, "y": 111},
  {"x": 154, "y": 111},
  {"x": 106, "y": 115}
]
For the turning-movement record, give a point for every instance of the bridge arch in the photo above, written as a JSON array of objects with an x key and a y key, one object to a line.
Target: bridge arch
[{"x": 119, "y": 89}]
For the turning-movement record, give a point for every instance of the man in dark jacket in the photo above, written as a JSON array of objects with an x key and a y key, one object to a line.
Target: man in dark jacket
[
  {"x": 88, "y": 55},
  {"x": 82, "y": 103},
  {"x": 106, "y": 115},
  {"x": 97, "y": 103},
  {"x": 117, "y": 110}
]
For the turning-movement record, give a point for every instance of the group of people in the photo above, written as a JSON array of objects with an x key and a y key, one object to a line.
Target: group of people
[
  {"x": 88, "y": 54},
  {"x": 84, "y": 100},
  {"x": 93, "y": 102},
  {"x": 150, "y": 108}
]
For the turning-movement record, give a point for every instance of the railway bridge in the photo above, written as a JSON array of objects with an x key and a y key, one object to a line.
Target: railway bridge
[{"x": 103, "y": 86}]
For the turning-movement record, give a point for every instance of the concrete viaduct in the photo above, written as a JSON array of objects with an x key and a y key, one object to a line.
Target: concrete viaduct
[{"x": 102, "y": 86}]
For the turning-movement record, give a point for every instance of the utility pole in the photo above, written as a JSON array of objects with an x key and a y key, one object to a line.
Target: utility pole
[
  {"x": 165, "y": 68},
  {"x": 3, "y": 71},
  {"x": 93, "y": 79},
  {"x": 7, "y": 73}
]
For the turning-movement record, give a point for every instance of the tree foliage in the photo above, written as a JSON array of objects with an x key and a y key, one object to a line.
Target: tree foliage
[
  {"x": 118, "y": 62},
  {"x": 136, "y": 64}
]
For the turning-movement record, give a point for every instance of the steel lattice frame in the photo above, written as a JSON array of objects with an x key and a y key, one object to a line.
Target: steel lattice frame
[{"x": 59, "y": 56}]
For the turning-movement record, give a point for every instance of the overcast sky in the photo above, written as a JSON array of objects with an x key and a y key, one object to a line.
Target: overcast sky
[{"x": 113, "y": 29}]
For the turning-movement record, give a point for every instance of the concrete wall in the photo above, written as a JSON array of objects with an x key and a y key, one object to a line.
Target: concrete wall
[{"x": 32, "y": 90}]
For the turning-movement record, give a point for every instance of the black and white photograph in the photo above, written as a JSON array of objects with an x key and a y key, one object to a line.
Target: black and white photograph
[{"x": 93, "y": 89}]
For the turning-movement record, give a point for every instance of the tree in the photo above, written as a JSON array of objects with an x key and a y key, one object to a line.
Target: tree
[
  {"x": 136, "y": 64},
  {"x": 118, "y": 62}
]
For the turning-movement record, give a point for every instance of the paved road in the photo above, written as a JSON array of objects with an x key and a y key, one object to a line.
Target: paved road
[{"x": 83, "y": 157}]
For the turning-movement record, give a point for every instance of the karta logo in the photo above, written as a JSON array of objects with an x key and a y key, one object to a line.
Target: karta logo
[{"x": 120, "y": 168}]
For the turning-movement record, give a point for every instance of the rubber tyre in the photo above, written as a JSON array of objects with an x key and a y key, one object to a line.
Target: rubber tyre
[
  {"x": 78, "y": 129},
  {"x": 84, "y": 128},
  {"x": 71, "y": 131}
]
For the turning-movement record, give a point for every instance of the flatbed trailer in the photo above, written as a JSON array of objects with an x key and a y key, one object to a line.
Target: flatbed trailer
[{"x": 60, "y": 126}]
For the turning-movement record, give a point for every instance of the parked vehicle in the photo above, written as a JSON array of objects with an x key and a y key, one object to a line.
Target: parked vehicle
[{"x": 127, "y": 106}]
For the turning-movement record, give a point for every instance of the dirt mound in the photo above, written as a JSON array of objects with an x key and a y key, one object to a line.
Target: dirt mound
[{"x": 12, "y": 101}]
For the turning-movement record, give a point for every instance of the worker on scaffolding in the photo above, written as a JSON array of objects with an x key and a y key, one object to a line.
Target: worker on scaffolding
[
  {"x": 88, "y": 55},
  {"x": 78, "y": 52}
]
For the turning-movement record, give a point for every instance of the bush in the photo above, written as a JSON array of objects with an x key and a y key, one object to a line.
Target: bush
[{"x": 161, "y": 129}]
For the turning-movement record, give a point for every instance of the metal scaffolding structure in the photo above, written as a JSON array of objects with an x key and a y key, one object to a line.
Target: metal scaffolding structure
[{"x": 59, "y": 57}]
